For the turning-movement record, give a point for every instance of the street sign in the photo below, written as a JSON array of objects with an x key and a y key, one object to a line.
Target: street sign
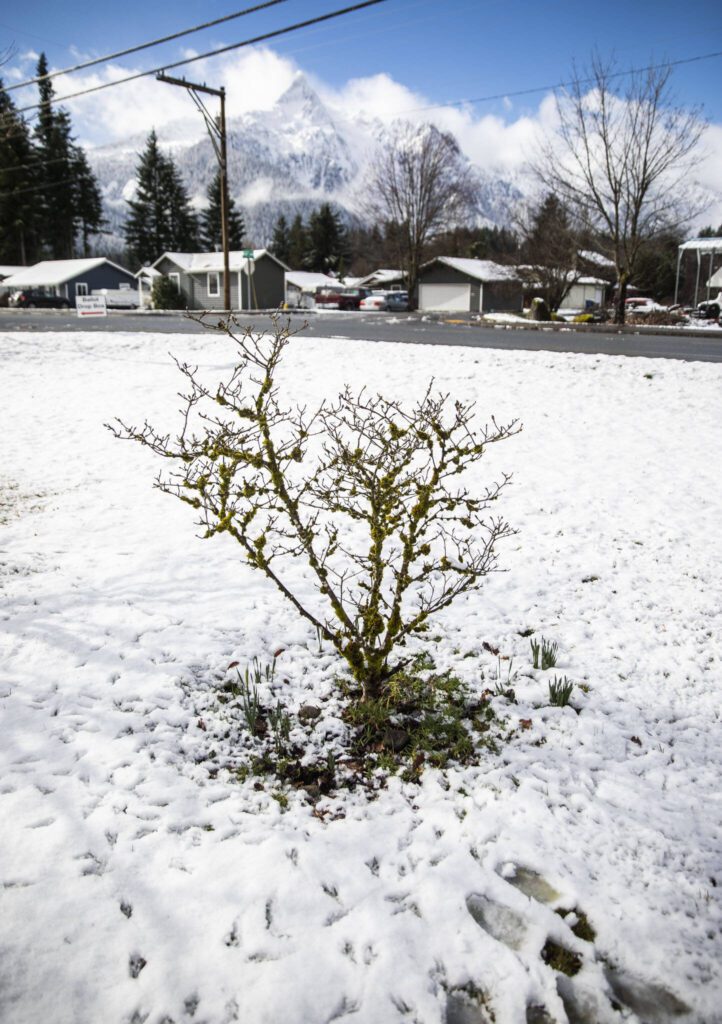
[
  {"x": 248, "y": 266},
  {"x": 91, "y": 305},
  {"x": 248, "y": 254}
]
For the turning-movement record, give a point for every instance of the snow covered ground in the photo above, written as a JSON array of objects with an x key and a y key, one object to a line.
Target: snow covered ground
[{"x": 138, "y": 885}]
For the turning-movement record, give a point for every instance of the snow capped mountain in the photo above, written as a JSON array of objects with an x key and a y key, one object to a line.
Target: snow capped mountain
[{"x": 288, "y": 160}]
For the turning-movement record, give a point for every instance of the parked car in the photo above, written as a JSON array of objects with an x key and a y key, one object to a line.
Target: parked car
[
  {"x": 32, "y": 299},
  {"x": 374, "y": 301},
  {"x": 639, "y": 305},
  {"x": 707, "y": 310},
  {"x": 351, "y": 298},
  {"x": 327, "y": 296},
  {"x": 397, "y": 302}
]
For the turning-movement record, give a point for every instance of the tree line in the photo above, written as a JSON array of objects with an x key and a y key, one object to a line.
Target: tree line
[{"x": 50, "y": 201}]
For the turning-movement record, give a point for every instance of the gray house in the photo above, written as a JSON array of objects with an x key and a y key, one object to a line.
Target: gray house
[
  {"x": 456, "y": 285},
  {"x": 257, "y": 283},
  {"x": 69, "y": 278}
]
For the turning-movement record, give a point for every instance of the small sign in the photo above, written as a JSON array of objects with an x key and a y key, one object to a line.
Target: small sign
[
  {"x": 248, "y": 254},
  {"x": 91, "y": 305}
]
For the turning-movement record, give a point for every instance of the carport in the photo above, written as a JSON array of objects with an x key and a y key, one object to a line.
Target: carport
[{"x": 702, "y": 247}]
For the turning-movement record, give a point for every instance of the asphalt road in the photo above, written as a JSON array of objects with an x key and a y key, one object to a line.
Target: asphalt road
[{"x": 401, "y": 328}]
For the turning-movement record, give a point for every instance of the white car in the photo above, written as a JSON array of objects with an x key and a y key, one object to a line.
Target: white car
[
  {"x": 640, "y": 305},
  {"x": 375, "y": 301}
]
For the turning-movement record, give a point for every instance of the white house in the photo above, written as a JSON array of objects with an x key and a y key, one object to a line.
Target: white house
[{"x": 586, "y": 290}]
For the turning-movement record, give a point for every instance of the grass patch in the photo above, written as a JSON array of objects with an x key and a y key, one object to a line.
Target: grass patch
[{"x": 561, "y": 959}]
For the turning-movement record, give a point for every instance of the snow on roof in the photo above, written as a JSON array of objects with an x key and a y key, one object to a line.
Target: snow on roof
[
  {"x": 6, "y": 271},
  {"x": 482, "y": 270},
  {"x": 596, "y": 257},
  {"x": 382, "y": 276},
  {"x": 703, "y": 244},
  {"x": 306, "y": 279},
  {"x": 588, "y": 280},
  {"x": 54, "y": 272},
  {"x": 204, "y": 262}
]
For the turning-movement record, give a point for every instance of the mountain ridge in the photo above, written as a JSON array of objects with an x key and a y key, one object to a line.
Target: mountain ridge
[{"x": 285, "y": 160}]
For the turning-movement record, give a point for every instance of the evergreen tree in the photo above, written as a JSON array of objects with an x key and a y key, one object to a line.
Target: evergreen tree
[
  {"x": 281, "y": 241},
  {"x": 88, "y": 202},
  {"x": 160, "y": 218},
  {"x": 18, "y": 185},
  {"x": 68, "y": 198},
  {"x": 328, "y": 248},
  {"x": 298, "y": 245},
  {"x": 211, "y": 230}
]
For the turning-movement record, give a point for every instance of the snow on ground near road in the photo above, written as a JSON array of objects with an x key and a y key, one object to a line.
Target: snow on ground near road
[{"x": 136, "y": 887}]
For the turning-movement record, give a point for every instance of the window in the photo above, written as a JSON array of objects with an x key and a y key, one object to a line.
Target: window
[
  {"x": 81, "y": 288},
  {"x": 214, "y": 284},
  {"x": 175, "y": 278}
]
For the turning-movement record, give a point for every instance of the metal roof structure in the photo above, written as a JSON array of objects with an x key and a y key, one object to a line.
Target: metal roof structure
[{"x": 702, "y": 247}]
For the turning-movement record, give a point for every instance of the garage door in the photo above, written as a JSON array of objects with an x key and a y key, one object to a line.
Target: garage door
[{"x": 451, "y": 297}]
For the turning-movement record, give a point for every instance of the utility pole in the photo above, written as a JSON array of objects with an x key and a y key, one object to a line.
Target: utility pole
[{"x": 217, "y": 131}]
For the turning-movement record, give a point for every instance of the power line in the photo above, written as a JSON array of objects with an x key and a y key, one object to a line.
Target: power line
[
  {"x": 146, "y": 46},
  {"x": 212, "y": 53},
  {"x": 560, "y": 85}
]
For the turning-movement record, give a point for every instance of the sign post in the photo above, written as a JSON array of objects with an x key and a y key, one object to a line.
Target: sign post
[{"x": 249, "y": 268}]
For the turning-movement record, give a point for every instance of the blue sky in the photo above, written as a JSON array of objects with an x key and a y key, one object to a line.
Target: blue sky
[
  {"x": 443, "y": 51},
  {"x": 388, "y": 61}
]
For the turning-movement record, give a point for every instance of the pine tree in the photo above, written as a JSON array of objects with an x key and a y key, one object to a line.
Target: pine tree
[
  {"x": 55, "y": 154},
  {"x": 298, "y": 245},
  {"x": 18, "y": 185},
  {"x": 211, "y": 231},
  {"x": 68, "y": 198},
  {"x": 281, "y": 241},
  {"x": 328, "y": 248},
  {"x": 161, "y": 218},
  {"x": 88, "y": 201}
]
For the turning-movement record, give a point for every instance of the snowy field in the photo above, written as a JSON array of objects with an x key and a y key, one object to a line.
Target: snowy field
[{"x": 138, "y": 884}]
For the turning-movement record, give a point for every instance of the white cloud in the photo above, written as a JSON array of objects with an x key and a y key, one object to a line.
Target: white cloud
[{"x": 254, "y": 80}]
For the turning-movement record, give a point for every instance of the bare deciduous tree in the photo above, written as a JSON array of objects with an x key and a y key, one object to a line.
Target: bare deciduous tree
[
  {"x": 622, "y": 157},
  {"x": 420, "y": 185}
]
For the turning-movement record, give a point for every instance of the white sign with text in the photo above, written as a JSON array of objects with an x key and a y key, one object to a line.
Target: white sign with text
[{"x": 91, "y": 305}]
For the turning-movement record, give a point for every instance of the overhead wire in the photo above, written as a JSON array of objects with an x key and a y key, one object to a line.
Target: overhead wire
[
  {"x": 211, "y": 53},
  {"x": 559, "y": 85},
  {"x": 145, "y": 46}
]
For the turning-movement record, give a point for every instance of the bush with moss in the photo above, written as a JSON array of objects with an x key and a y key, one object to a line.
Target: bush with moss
[{"x": 371, "y": 495}]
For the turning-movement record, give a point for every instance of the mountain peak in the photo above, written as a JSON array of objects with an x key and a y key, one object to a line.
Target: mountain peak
[{"x": 300, "y": 99}]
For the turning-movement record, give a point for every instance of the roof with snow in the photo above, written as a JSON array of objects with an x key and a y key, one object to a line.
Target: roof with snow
[
  {"x": 703, "y": 244},
  {"x": 482, "y": 270},
  {"x": 596, "y": 257},
  {"x": 381, "y": 277},
  {"x": 305, "y": 279},
  {"x": 6, "y": 271},
  {"x": 212, "y": 262},
  {"x": 55, "y": 272}
]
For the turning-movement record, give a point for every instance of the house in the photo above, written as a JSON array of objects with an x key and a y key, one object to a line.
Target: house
[
  {"x": 198, "y": 277},
  {"x": 380, "y": 280},
  {"x": 461, "y": 285},
  {"x": 301, "y": 286},
  {"x": 586, "y": 292},
  {"x": 70, "y": 278}
]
